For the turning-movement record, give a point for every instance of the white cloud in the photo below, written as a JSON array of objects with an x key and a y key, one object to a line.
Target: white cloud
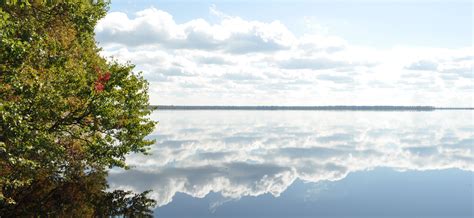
[
  {"x": 234, "y": 61},
  {"x": 156, "y": 27},
  {"x": 423, "y": 65}
]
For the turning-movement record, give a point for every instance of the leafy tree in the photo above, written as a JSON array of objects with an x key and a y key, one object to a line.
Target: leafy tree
[
  {"x": 66, "y": 113},
  {"x": 124, "y": 203}
]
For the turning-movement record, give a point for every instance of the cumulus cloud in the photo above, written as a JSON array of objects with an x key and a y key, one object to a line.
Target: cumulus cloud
[
  {"x": 336, "y": 78},
  {"x": 235, "y": 61},
  {"x": 238, "y": 153},
  {"x": 313, "y": 63},
  {"x": 156, "y": 27},
  {"x": 423, "y": 65},
  {"x": 459, "y": 72}
]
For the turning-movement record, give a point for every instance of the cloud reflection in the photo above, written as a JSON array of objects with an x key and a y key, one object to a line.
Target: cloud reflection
[{"x": 250, "y": 153}]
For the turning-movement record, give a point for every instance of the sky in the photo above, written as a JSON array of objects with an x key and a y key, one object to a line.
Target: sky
[{"x": 262, "y": 52}]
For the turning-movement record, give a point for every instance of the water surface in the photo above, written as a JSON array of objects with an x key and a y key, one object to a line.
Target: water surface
[{"x": 307, "y": 164}]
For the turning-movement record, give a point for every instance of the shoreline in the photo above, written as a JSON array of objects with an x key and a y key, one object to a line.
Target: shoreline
[{"x": 308, "y": 108}]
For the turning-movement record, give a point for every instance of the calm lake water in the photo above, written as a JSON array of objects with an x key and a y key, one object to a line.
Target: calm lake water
[{"x": 307, "y": 164}]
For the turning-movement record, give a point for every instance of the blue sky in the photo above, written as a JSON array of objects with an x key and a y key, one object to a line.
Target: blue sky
[
  {"x": 296, "y": 52},
  {"x": 375, "y": 23}
]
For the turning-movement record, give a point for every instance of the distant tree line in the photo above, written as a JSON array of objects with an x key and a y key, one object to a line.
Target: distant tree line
[{"x": 316, "y": 108}]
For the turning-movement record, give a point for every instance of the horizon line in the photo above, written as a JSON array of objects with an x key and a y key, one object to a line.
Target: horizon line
[{"x": 321, "y": 107}]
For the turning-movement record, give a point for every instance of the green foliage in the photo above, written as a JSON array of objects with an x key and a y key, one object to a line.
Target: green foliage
[
  {"x": 29, "y": 3},
  {"x": 82, "y": 195},
  {"x": 66, "y": 113},
  {"x": 125, "y": 203}
]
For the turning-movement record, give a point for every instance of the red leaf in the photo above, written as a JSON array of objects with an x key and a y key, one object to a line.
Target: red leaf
[
  {"x": 99, "y": 87},
  {"x": 106, "y": 77}
]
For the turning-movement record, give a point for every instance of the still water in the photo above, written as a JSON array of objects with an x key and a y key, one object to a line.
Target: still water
[{"x": 307, "y": 164}]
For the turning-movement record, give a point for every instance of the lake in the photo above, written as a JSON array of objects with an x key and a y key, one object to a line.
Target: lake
[{"x": 226, "y": 163}]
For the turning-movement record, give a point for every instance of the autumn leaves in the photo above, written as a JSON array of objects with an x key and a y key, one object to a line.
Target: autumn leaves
[{"x": 101, "y": 81}]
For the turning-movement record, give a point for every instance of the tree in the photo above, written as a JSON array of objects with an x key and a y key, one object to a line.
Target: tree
[
  {"x": 124, "y": 203},
  {"x": 66, "y": 113}
]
